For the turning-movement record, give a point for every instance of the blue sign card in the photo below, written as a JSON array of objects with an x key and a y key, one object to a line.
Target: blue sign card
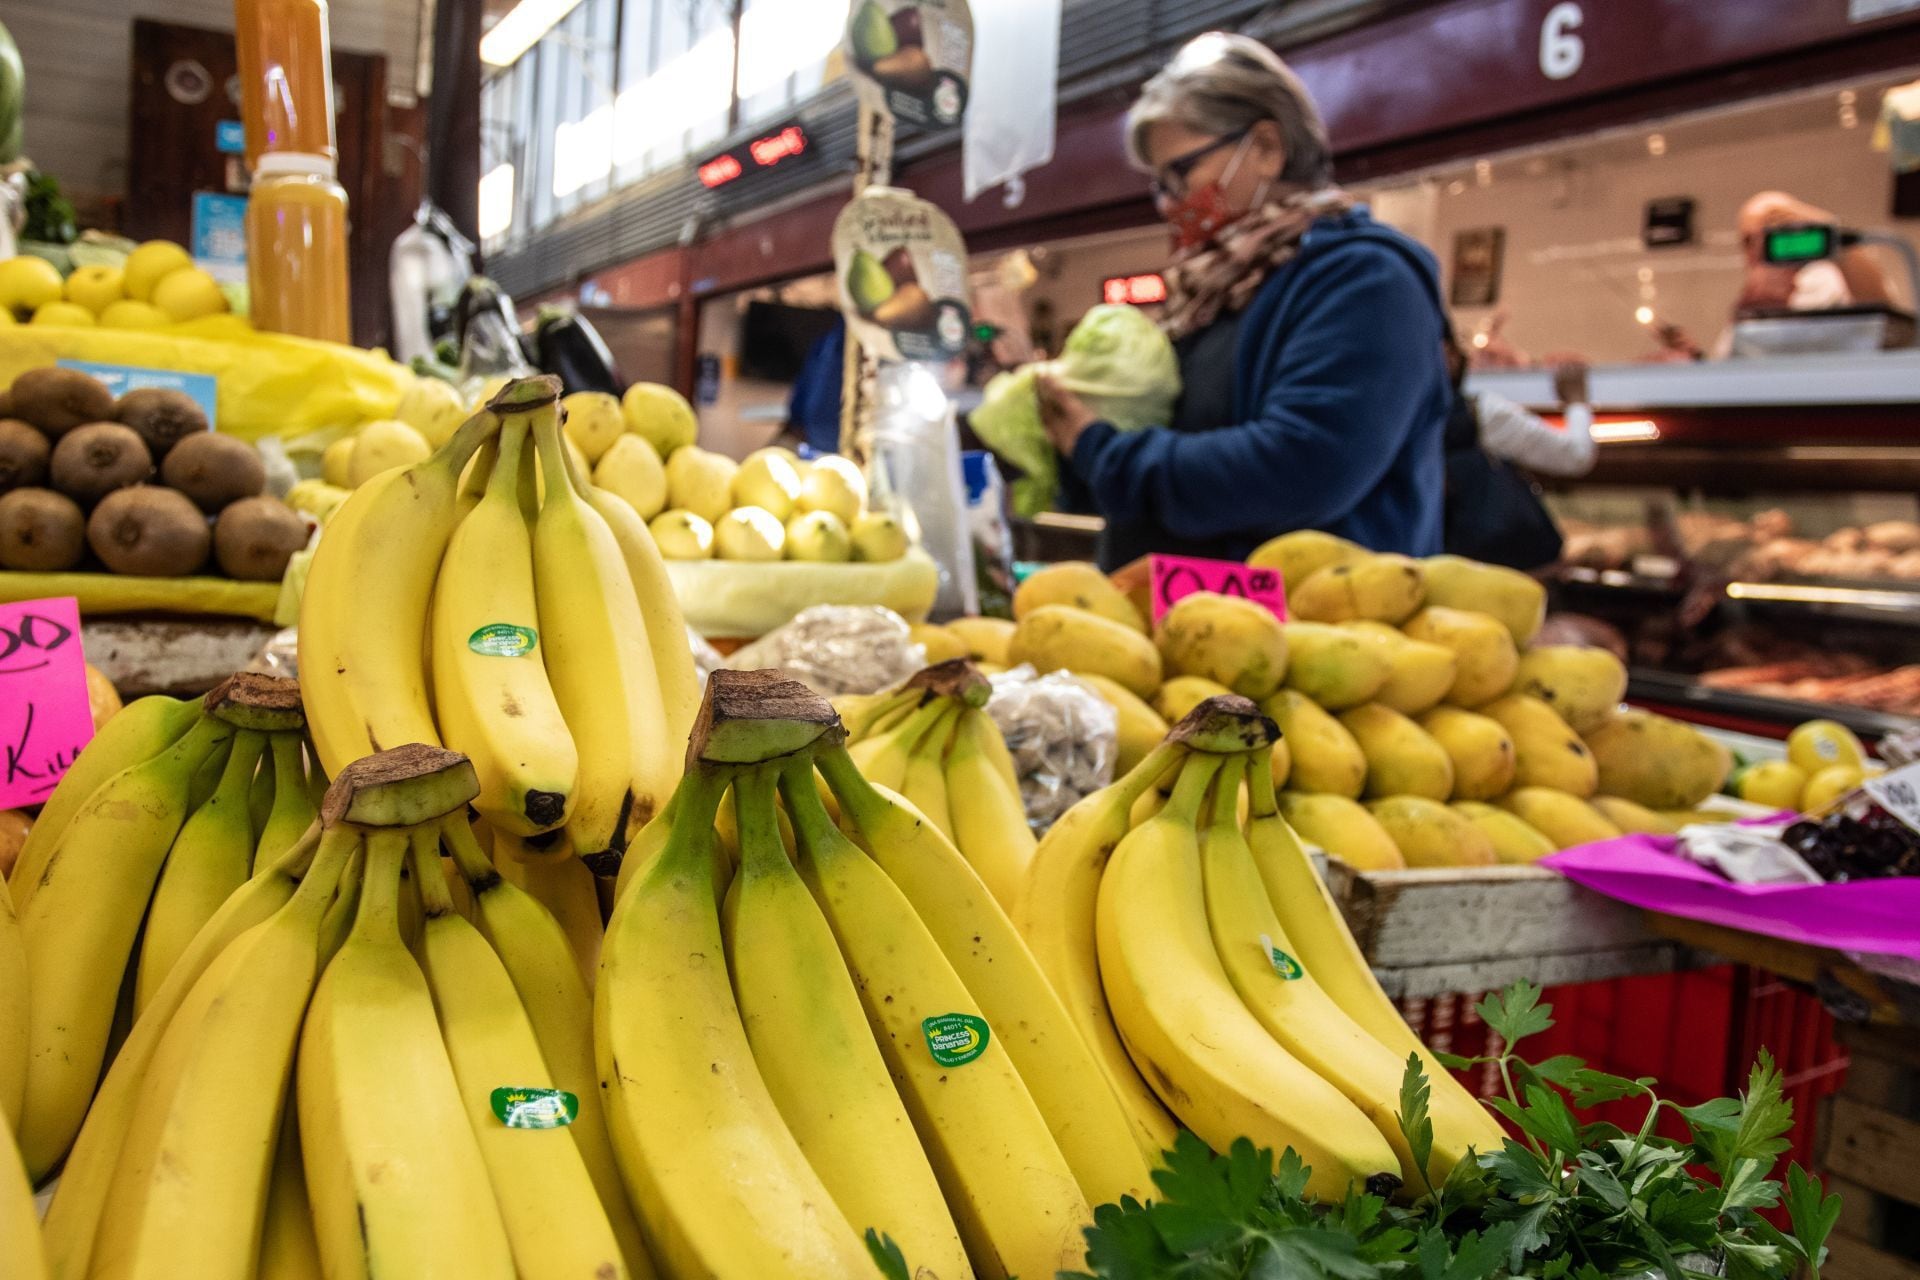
[
  {"x": 219, "y": 239},
  {"x": 229, "y": 137},
  {"x": 201, "y": 388}
]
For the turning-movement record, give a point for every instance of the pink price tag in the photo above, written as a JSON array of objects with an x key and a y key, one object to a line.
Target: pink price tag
[
  {"x": 1178, "y": 576},
  {"x": 45, "y": 717}
]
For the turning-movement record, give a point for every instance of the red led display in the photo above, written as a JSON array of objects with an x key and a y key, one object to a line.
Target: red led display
[{"x": 1140, "y": 290}]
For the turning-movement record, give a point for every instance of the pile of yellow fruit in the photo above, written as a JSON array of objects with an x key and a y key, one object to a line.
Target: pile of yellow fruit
[
  {"x": 1824, "y": 762},
  {"x": 1421, "y": 726},
  {"x": 702, "y": 505},
  {"x": 157, "y": 285}
]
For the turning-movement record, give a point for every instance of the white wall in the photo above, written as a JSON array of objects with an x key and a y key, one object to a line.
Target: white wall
[{"x": 79, "y": 61}]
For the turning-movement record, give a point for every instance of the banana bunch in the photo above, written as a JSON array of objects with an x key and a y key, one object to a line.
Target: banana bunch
[
  {"x": 932, "y": 741},
  {"x": 168, "y": 811},
  {"x": 491, "y": 600},
  {"x": 880, "y": 1053},
  {"x": 1186, "y": 930},
  {"x": 345, "y": 1073}
]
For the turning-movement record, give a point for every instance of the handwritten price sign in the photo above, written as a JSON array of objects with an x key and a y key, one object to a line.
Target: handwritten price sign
[
  {"x": 44, "y": 715},
  {"x": 1175, "y": 577}
]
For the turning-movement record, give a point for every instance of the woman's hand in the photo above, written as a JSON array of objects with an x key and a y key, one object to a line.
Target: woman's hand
[{"x": 1064, "y": 414}]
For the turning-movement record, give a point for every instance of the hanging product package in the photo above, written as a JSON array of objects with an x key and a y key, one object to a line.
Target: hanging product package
[
  {"x": 911, "y": 58},
  {"x": 1010, "y": 122},
  {"x": 902, "y": 271}
]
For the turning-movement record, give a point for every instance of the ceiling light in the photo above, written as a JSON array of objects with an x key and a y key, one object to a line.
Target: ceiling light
[
  {"x": 1483, "y": 172},
  {"x": 1656, "y": 142},
  {"x": 522, "y": 26},
  {"x": 1643, "y": 314}
]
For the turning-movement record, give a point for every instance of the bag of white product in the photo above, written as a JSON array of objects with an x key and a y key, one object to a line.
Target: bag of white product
[
  {"x": 837, "y": 649},
  {"x": 1064, "y": 739}
]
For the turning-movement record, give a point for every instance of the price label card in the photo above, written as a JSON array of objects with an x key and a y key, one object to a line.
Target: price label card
[
  {"x": 201, "y": 388},
  {"x": 1175, "y": 577},
  {"x": 1898, "y": 793},
  {"x": 44, "y": 715}
]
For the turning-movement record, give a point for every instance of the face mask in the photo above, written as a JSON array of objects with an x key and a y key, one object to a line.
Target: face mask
[{"x": 1205, "y": 211}]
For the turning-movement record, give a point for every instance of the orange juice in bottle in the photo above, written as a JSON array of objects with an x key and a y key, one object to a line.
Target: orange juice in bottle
[
  {"x": 297, "y": 247},
  {"x": 286, "y": 76}
]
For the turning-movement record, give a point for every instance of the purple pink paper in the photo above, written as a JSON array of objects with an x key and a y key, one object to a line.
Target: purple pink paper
[
  {"x": 1176, "y": 577},
  {"x": 44, "y": 715}
]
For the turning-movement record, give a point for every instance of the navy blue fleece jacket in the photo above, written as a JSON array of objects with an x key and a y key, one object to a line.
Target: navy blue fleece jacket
[{"x": 1340, "y": 398}]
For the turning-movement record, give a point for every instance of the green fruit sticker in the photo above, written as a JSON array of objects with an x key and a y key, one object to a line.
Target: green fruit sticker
[
  {"x": 533, "y": 1108},
  {"x": 503, "y": 640},
  {"x": 1283, "y": 964},
  {"x": 955, "y": 1039}
]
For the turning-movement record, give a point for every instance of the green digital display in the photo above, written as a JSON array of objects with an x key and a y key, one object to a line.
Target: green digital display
[{"x": 1799, "y": 244}]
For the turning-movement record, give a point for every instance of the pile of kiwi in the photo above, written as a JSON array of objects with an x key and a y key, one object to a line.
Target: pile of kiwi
[{"x": 139, "y": 481}]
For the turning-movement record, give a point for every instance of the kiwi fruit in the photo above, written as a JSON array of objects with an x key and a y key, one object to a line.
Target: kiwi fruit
[
  {"x": 41, "y": 531},
  {"x": 23, "y": 455},
  {"x": 162, "y": 416},
  {"x": 90, "y": 462},
  {"x": 6, "y": 402},
  {"x": 214, "y": 470},
  {"x": 255, "y": 537},
  {"x": 149, "y": 532},
  {"x": 58, "y": 400}
]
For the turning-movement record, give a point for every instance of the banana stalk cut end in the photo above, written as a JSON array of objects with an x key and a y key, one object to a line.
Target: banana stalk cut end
[
  {"x": 400, "y": 788},
  {"x": 749, "y": 717},
  {"x": 1224, "y": 725},
  {"x": 525, "y": 394},
  {"x": 249, "y": 700},
  {"x": 955, "y": 678}
]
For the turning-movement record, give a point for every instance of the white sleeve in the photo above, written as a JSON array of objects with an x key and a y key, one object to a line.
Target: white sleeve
[{"x": 1510, "y": 432}]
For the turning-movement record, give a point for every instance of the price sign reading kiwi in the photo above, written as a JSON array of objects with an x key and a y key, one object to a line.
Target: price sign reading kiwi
[
  {"x": 1175, "y": 577},
  {"x": 911, "y": 58},
  {"x": 45, "y": 717}
]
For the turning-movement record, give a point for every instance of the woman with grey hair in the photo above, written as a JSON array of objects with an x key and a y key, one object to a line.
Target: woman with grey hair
[{"x": 1309, "y": 336}]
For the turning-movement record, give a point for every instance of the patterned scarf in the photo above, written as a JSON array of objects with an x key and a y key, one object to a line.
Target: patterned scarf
[{"x": 1207, "y": 281}]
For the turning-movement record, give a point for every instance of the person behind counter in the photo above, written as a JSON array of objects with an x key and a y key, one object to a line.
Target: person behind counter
[
  {"x": 1309, "y": 336},
  {"x": 1494, "y": 512}
]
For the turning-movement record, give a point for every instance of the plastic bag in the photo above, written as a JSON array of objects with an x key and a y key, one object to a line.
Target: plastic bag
[
  {"x": 1116, "y": 360},
  {"x": 1009, "y": 127},
  {"x": 1064, "y": 738},
  {"x": 706, "y": 658},
  {"x": 836, "y": 649}
]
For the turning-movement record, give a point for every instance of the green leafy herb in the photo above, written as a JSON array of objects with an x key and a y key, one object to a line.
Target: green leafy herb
[{"x": 887, "y": 1256}]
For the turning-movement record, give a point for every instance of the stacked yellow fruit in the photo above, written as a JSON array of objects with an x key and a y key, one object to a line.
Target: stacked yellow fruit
[
  {"x": 1421, "y": 726},
  {"x": 1824, "y": 761},
  {"x": 154, "y": 286}
]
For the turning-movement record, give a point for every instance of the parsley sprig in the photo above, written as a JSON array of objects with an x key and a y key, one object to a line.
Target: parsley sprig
[{"x": 1563, "y": 1201}]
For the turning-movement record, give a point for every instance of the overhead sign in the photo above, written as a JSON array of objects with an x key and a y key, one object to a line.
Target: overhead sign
[
  {"x": 1142, "y": 290},
  {"x": 764, "y": 152}
]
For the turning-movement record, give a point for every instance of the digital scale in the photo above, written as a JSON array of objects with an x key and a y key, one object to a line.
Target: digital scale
[{"x": 1863, "y": 327}]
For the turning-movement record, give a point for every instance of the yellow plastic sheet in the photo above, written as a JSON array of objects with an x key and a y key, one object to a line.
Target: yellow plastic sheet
[
  {"x": 733, "y": 599},
  {"x": 109, "y": 593},
  {"x": 270, "y": 384}
]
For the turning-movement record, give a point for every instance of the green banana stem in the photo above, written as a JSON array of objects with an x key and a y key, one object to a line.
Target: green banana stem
[
  {"x": 850, "y": 787},
  {"x": 1263, "y": 801},
  {"x": 459, "y": 449},
  {"x": 691, "y": 848},
  {"x": 1190, "y": 792},
  {"x": 378, "y": 918},
  {"x": 761, "y": 850},
  {"x": 345, "y": 910},
  {"x": 812, "y": 824},
  {"x": 1162, "y": 764},
  {"x": 553, "y": 455},
  {"x": 423, "y": 854},
  {"x": 296, "y": 863},
  {"x": 1224, "y": 805},
  {"x": 468, "y": 857}
]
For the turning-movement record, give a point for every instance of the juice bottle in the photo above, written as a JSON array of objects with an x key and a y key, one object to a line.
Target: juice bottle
[
  {"x": 286, "y": 77},
  {"x": 297, "y": 247}
]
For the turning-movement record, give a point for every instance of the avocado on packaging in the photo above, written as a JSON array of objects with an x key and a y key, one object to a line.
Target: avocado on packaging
[
  {"x": 911, "y": 58},
  {"x": 902, "y": 271}
]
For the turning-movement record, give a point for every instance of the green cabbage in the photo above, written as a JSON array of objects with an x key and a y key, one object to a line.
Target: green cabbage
[{"x": 1116, "y": 359}]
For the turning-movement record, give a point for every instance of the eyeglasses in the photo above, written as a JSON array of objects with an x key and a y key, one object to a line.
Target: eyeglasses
[{"x": 1171, "y": 182}]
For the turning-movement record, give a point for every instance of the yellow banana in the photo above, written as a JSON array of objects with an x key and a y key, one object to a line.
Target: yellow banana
[
  {"x": 79, "y": 927},
  {"x": 1211, "y": 1062},
  {"x": 1326, "y": 947},
  {"x": 190, "y": 1190},
  {"x": 559, "y": 1004},
  {"x": 978, "y": 939},
  {"x": 363, "y": 614},
  {"x": 647, "y": 845},
  {"x": 394, "y": 1173},
  {"x": 866, "y": 714},
  {"x": 260, "y": 797},
  {"x": 719, "y": 1181},
  {"x": 600, "y": 660},
  {"x": 989, "y": 821},
  {"x": 1264, "y": 967},
  {"x": 811, "y": 1042},
  {"x": 81, "y": 1195},
  {"x": 288, "y": 1249},
  {"x": 211, "y": 857},
  {"x": 293, "y": 806},
  {"x": 1012, "y": 1194},
  {"x": 13, "y": 1013},
  {"x": 492, "y": 698},
  {"x": 882, "y": 759},
  {"x": 666, "y": 623},
  {"x": 1055, "y": 910},
  {"x": 139, "y": 732},
  {"x": 547, "y": 1201},
  {"x": 924, "y": 783},
  {"x": 565, "y": 887},
  {"x": 22, "y": 1253}
]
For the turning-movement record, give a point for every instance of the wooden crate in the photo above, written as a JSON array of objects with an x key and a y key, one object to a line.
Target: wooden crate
[
  {"x": 1871, "y": 1156},
  {"x": 1430, "y": 931}
]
